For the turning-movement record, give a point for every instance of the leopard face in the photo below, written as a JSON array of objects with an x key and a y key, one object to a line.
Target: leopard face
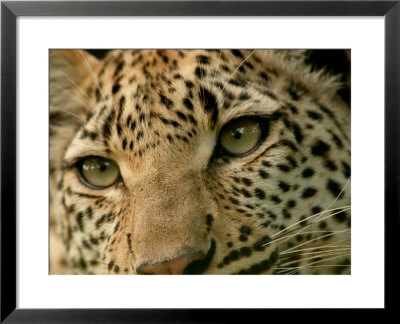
[{"x": 198, "y": 161}]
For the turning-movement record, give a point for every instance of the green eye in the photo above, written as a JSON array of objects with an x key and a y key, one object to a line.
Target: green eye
[
  {"x": 241, "y": 136},
  {"x": 98, "y": 172}
]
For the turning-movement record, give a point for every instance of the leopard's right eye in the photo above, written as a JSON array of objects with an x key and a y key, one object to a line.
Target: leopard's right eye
[
  {"x": 97, "y": 172},
  {"x": 242, "y": 136}
]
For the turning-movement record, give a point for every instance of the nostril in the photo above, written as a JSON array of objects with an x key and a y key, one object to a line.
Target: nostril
[
  {"x": 174, "y": 266},
  {"x": 200, "y": 265}
]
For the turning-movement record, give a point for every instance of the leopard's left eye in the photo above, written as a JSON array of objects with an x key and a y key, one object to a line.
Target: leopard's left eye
[
  {"x": 242, "y": 135},
  {"x": 98, "y": 172}
]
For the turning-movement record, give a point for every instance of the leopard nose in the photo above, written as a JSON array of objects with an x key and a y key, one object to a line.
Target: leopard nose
[{"x": 174, "y": 266}]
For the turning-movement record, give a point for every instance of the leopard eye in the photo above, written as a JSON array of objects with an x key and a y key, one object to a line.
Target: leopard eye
[
  {"x": 241, "y": 136},
  {"x": 97, "y": 172}
]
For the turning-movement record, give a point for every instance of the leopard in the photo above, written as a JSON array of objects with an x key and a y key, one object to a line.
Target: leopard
[{"x": 199, "y": 161}]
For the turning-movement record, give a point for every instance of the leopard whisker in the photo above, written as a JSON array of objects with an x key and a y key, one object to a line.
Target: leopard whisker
[
  {"x": 74, "y": 97},
  {"x": 60, "y": 269},
  {"x": 316, "y": 255},
  {"x": 235, "y": 71},
  {"x": 73, "y": 82},
  {"x": 326, "y": 259},
  {"x": 337, "y": 197},
  {"x": 320, "y": 237},
  {"x": 269, "y": 241},
  {"x": 318, "y": 266},
  {"x": 290, "y": 271},
  {"x": 287, "y": 235},
  {"x": 314, "y": 264},
  {"x": 319, "y": 247},
  {"x": 92, "y": 74},
  {"x": 314, "y": 215},
  {"x": 330, "y": 215},
  {"x": 340, "y": 193},
  {"x": 69, "y": 113},
  {"x": 301, "y": 229}
]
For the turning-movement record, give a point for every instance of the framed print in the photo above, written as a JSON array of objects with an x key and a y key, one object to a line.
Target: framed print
[{"x": 211, "y": 138}]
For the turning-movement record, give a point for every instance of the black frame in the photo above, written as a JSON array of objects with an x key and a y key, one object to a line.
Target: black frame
[{"x": 11, "y": 10}]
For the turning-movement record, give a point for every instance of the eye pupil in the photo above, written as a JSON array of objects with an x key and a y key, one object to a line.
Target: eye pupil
[
  {"x": 103, "y": 167},
  {"x": 237, "y": 134}
]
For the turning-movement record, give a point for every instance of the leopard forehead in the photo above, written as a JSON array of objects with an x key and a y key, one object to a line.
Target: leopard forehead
[
  {"x": 187, "y": 96},
  {"x": 158, "y": 114}
]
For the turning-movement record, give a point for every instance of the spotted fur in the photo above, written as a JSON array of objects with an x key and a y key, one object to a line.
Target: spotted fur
[{"x": 284, "y": 208}]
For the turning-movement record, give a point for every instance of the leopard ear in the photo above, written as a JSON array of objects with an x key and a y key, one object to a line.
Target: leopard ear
[
  {"x": 334, "y": 62},
  {"x": 69, "y": 106}
]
